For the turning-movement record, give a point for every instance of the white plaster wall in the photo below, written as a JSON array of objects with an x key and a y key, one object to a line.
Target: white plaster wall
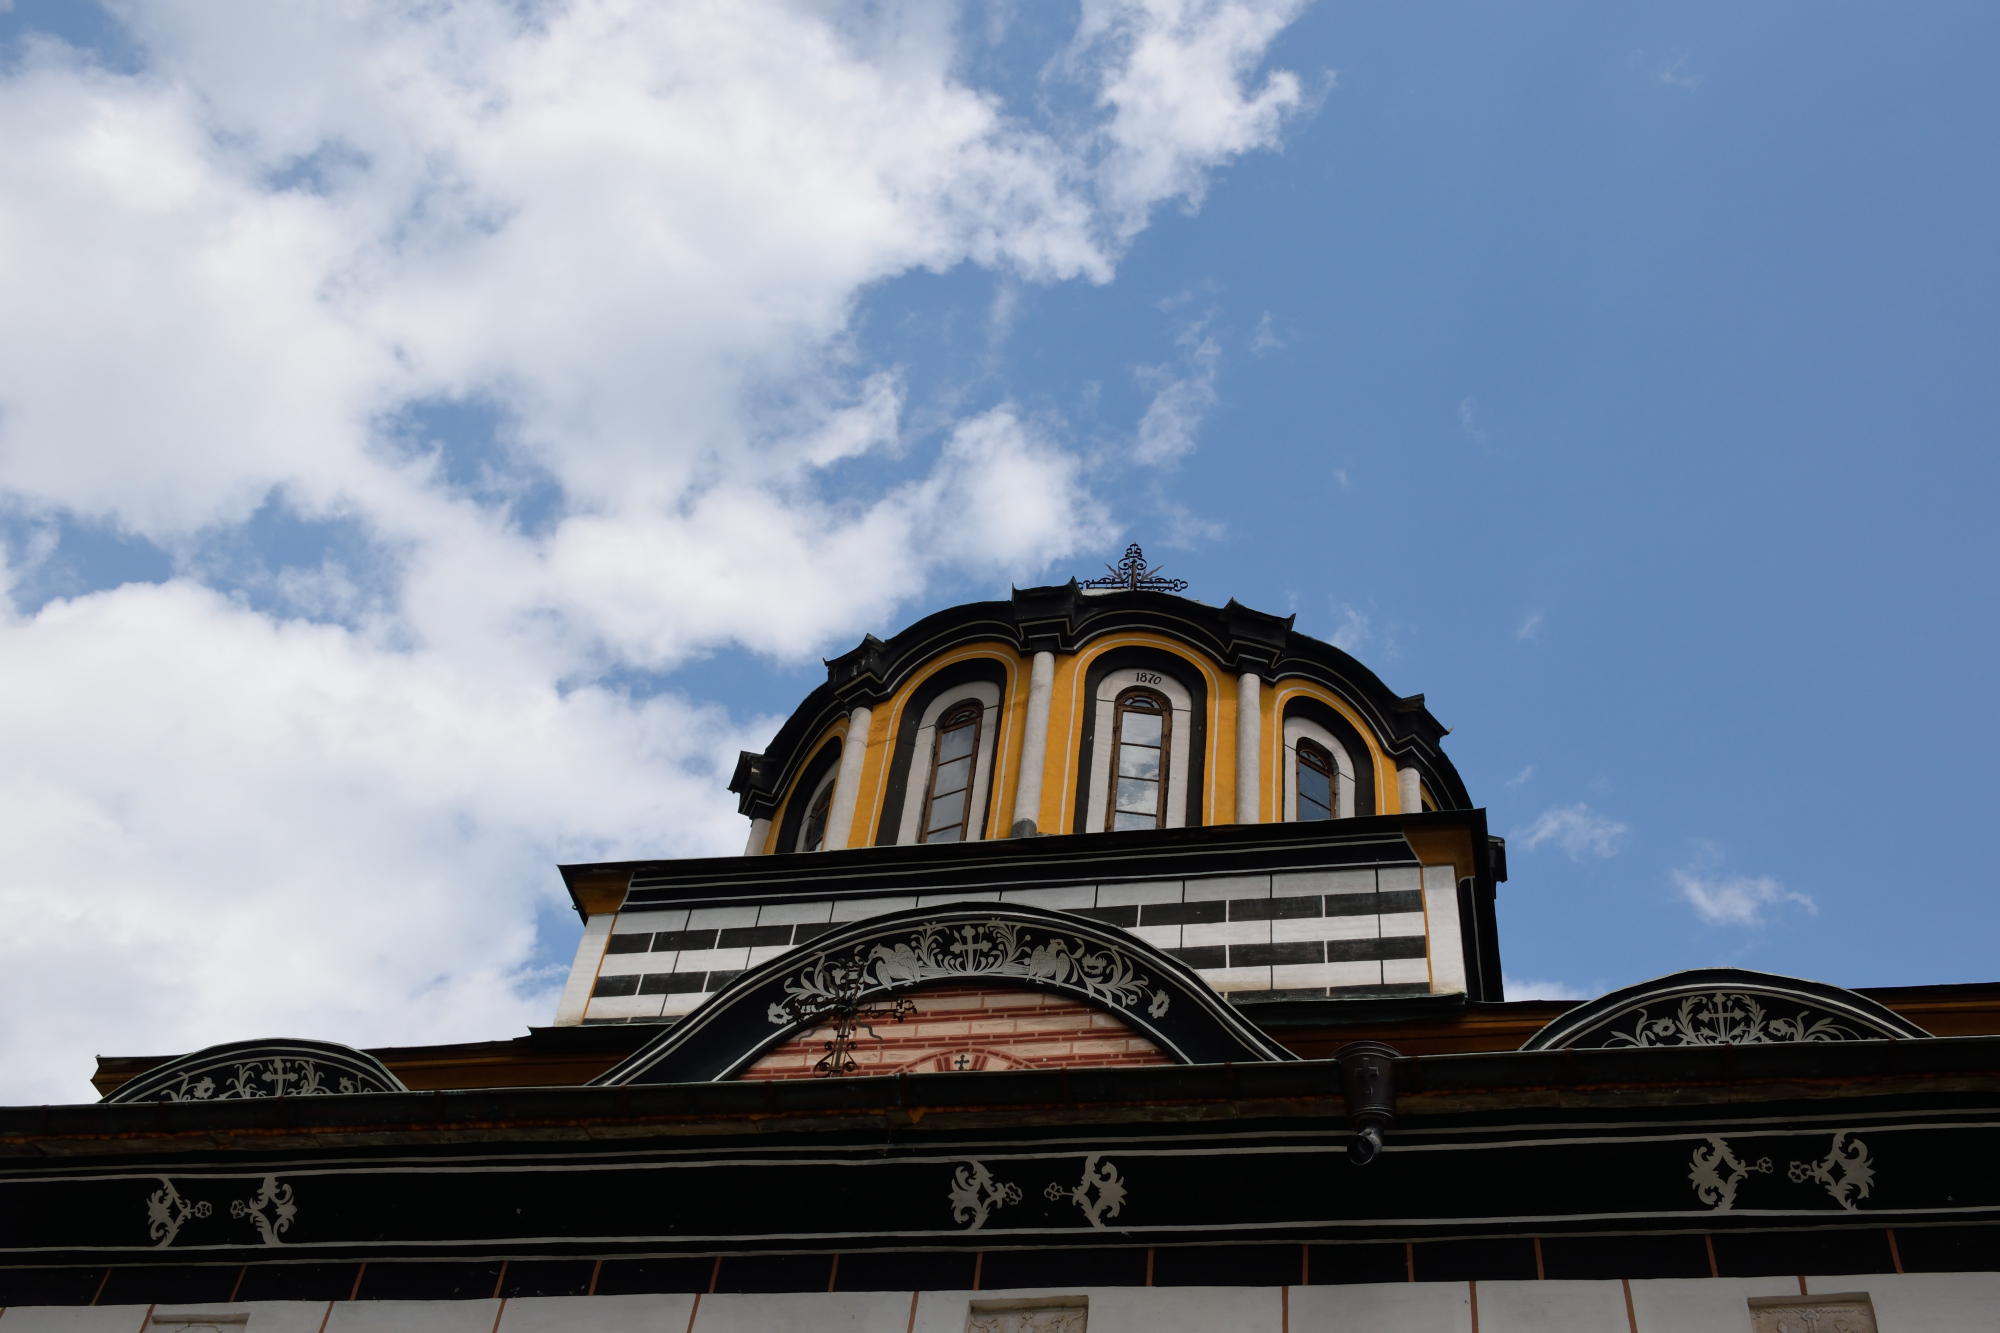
[
  {"x": 1704, "y": 1304},
  {"x": 1125, "y": 1309},
  {"x": 814, "y": 1312},
  {"x": 75, "y": 1318},
  {"x": 269, "y": 1316},
  {"x": 1447, "y": 961},
  {"x": 407, "y": 1317},
  {"x": 1912, "y": 1303},
  {"x": 598, "y": 1314},
  {"x": 1529, "y": 1307},
  {"x": 1924, "y": 1302},
  {"x": 1406, "y": 1307}
]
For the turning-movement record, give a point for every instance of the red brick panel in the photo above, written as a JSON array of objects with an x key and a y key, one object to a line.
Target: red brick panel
[{"x": 967, "y": 1029}]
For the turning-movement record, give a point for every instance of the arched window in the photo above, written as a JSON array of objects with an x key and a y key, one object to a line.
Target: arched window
[
  {"x": 946, "y": 805},
  {"x": 813, "y": 837},
  {"x": 1316, "y": 777},
  {"x": 1139, "y": 739}
]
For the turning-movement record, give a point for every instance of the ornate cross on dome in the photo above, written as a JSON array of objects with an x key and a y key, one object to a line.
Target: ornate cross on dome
[{"x": 1132, "y": 573}]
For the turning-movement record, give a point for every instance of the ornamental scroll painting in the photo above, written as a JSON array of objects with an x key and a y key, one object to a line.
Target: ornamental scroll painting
[
  {"x": 1723, "y": 1006},
  {"x": 987, "y": 950},
  {"x": 976, "y": 1194},
  {"x": 1721, "y": 1018},
  {"x": 269, "y": 1210},
  {"x": 248, "y": 1070},
  {"x": 1846, "y": 1173}
]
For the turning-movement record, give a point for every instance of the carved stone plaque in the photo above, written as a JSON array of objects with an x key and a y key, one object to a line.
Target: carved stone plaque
[
  {"x": 1844, "y": 1312},
  {"x": 1035, "y": 1314}
]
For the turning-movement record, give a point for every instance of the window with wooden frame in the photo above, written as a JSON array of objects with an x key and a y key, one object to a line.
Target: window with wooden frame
[
  {"x": 813, "y": 837},
  {"x": 1318, "y": 775},
  {"x": 1139, "y": 740},
  {"x": 947, "y": 800}
]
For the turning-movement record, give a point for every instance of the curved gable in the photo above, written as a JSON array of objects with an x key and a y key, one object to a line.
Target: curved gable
[
  {"x": 1717, "y": 1006},
  {"x": 270, "y": 1067},
  {"x": 881, "y": 959}
]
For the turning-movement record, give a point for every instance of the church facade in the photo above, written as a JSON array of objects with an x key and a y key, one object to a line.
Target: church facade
[{"x": 1099, "y": 959}]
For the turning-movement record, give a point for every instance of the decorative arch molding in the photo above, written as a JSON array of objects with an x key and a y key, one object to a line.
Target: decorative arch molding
[
  {"x": 269, "y": 1067},
  {"x": 818, "y": 771},
  {"x": 907, "y": 768},
  {"x": 1309, "y": 709},
  {"x": 877, "y": 960},
  {"x": 1714, "y": 1006},
  {"x": 1094, "y": 759}
]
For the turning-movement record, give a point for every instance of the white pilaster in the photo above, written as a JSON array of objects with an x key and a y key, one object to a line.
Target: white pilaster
[
  {"x": 583, "y": 971},
  {"x": 1249, "y": 744},
  {"x": 1446, "y": 940},
  {"x": 1409, "y": 791},
  {"x": 1034, "y": 748},
  {"x": 847, "y": 784},
  {"x": 760, "y": 837}
]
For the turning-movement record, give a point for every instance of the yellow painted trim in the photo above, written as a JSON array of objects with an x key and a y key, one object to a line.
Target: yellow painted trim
[
  {"x": 838, "y": 728},
  {"x": 1079, "y": 669},
  {"x": 1294, "y": 685},
  {"x": 885, "y": 721}
]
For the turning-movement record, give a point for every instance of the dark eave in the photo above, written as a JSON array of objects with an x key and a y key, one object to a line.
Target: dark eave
[
  {"x": 1689, "y": 1080},
  {"x": 1063, "y": 619},
  {"x": 1013, "y": 863}
]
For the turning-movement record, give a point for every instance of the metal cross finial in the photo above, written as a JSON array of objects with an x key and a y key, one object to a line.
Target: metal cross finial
[{"x": 1131, "y": 573}]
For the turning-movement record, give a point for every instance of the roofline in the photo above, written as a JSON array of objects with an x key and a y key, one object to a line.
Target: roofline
[
  {"x": 1065, "y": 858},
  {"x": 1063, "y": 618},
  {"x": 1501, "y": 1082}
]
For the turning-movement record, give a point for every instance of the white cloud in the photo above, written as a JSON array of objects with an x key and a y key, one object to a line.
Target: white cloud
[
  {"x": 1522, "y": 777},
  {"x": 1167, "y": 431},
  {"x": 1735, "y": 900},
  {"x": 1265, "y": 337},
  {"x": 1175, "y": 80},
  {"x": 1354, "y": 632},
  {"x": 1577, "y": 829},
  {"x": 1528, "y": 988},
  {"x": 222, "y": 826},
  {"x": 1678, "y": 75},
  {"x": 1468, "y": 420},
  {"x": 638, "y": 233},
  {"x": 1531, "y": 627}
]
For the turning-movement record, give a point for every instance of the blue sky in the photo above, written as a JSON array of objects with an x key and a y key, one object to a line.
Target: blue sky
[{"x": 416, "y": 503}]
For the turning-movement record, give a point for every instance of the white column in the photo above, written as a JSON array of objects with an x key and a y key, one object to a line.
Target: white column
[
  {"x": 760, "y": 837},
  {"x": 1409, "y": 791},
  {"x": 847, "y": 785},
  {"x": 583, "y": 972},
  {"x": 1034, "y": 748},
  {"x": 1249, "y": 742}
]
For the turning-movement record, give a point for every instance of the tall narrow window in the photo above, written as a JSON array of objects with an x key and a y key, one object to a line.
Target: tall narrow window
[
  {"x": 814, "y": 837},
  {"x": 945, "y": 812},
  {"x": 1139, "y": 739},
  {"x": 1316, "y": 777}
]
